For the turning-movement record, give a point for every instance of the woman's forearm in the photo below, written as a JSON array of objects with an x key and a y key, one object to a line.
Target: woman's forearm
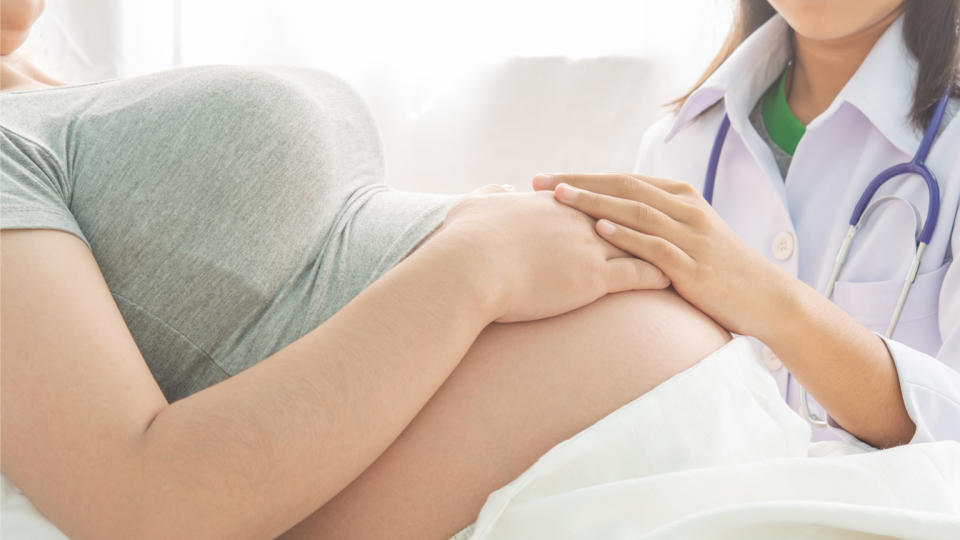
[
  {"x": 251, "y": 456},
  {"x": 845, "y": 366}
]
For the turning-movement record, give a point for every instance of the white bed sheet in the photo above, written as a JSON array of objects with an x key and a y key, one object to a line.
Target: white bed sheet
[
  {"x": 712, "y": 453},
  {"x": 715, "y": 453}
]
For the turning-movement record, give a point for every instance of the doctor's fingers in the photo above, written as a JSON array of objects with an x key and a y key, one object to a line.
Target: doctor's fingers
[
  {"x": 639, "y": 216},
  {"x": 674, "y": 187},
  {"x": 667, "y": 196}
]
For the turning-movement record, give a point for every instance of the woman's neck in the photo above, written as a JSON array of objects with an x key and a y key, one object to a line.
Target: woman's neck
[
  {"x": 822, "y": 67},
  {"x": 19, "y": 74}
]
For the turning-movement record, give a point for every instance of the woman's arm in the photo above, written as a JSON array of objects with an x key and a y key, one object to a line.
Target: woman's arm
[
  {"x": 89, "y": 438},
  {"x": 845, "y": 366}
]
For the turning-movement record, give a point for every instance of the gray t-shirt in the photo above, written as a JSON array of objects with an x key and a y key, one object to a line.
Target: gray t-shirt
[{"x": 230, "y": 209}]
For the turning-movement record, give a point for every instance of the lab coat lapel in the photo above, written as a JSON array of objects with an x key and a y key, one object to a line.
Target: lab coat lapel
[
  {"x": 882, "y": 90},
  {"x": 740, "y": 82}
]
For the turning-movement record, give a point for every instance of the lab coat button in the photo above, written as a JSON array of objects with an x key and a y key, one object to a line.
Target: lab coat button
[
  {"x": 783, "y": 245},
  {"x": 770, "y": 360}
]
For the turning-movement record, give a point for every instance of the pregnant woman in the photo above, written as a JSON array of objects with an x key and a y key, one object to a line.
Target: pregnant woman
[{"x": 218, "y": 322}]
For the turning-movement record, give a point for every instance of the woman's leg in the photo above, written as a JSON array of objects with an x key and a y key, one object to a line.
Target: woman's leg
[{"x": 520, "y": 389}]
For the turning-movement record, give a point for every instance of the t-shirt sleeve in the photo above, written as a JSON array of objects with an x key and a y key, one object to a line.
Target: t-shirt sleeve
[{"x": 34, "y": 190}]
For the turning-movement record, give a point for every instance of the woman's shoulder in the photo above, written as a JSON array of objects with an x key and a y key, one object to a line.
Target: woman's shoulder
[
  {"x": 204, "y": 100},
  {"x": 224, "y": 82},
  {"x": 207, "y": 72},
  {"x": 269, "y": 79},
  {"x": 671, "y": 142}
]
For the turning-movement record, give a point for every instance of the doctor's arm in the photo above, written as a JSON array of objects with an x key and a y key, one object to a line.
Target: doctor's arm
[{"x": 846, "y": 367}]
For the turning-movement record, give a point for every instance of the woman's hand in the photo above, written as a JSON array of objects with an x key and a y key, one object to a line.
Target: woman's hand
[
  {"x": 669, "y": 224},
  {"x": 540, "y": 258}
]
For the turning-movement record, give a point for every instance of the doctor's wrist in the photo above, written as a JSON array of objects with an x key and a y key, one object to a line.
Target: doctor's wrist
[{"x": 789, "y": 306}]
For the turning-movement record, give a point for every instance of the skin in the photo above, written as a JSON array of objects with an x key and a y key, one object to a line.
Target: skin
[
  {"x": 843, "y": 365},
  {"x": 521, "y": 389},
  {"x": 18, "y": 18},
  {"x": 17, "y": 73},
  {"x": 832, "y": 39}
]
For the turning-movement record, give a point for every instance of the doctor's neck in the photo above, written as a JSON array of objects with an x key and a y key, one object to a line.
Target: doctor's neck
[{"x": 822, "y": 67}]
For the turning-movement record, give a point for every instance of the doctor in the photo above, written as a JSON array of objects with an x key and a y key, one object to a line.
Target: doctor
[{"x": 821, "y": 96}]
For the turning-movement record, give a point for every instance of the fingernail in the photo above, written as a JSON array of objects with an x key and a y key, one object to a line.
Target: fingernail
[
  {"x": 566, "y": 192},
  {"x": 508, "y": 187},
  {"x": 605, "y": 227},
  {"x": 542, "y": 181}
]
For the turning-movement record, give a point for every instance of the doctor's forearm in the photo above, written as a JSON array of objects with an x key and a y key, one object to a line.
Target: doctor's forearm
[{"x": 845, "y": 367}]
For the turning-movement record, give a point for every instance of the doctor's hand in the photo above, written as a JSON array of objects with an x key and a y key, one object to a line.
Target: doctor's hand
[
  {"x": 669, "y": 224},
  {"x": 535, "y": 257}
]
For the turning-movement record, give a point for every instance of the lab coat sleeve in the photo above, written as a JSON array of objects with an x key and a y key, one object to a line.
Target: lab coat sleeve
[{"x": 931, "y": 386}]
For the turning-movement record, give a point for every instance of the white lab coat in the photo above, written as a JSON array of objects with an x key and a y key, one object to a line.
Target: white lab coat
[{"x": 799, "y": 223}]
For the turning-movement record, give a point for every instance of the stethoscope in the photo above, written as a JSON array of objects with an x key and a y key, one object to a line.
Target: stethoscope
[{"x": 861, "y": 212}]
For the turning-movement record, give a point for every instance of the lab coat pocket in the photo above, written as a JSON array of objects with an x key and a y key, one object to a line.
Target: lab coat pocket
[{"x": 872, "y": 304}]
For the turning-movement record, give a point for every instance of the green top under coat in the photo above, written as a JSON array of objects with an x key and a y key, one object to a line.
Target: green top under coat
[{"x": 783, "y": 126}]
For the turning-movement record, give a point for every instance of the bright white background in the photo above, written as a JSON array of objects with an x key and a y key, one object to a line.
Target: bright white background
[{"x": 464, "y": 92}]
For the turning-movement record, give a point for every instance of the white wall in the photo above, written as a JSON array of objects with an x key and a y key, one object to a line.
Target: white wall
[{"x": 464, "y": 92}]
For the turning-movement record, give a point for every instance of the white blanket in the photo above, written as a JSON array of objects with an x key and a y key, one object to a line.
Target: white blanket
[
  {"x": 711, "y": 453},
  {"x": 715, "y": 453}
]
